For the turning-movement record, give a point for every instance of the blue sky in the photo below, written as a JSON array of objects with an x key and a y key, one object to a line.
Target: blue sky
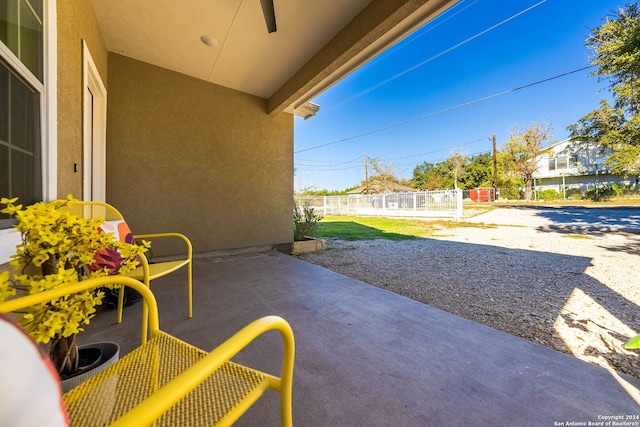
[{"x": 466, "y": 54}]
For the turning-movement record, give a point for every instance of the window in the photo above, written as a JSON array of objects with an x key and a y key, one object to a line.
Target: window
[
  {"x": 562, "y": 162},
  {"x": 21, "y": 89},
  {"x": 21, "y": 31},
  {"x": 559, "y": 162}
]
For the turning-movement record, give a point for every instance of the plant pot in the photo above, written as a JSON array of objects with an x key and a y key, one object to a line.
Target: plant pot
[
  {"x": 93, "y": 359},
  {"x": 110, "y": 300},
  {"x": 310, "y": 244}
]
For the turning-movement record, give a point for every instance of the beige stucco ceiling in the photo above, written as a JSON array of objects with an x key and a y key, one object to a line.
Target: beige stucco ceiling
[{"x": 247, "y": 58}]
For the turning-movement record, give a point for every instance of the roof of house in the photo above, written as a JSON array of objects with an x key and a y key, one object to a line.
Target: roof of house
[
  {"x": 567, "y": 141},
  {"x": 378, "y": 188}
]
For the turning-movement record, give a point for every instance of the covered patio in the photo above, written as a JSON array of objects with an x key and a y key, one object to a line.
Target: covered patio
[
  {"x": 199, "y": 123},
  {"x": 368, "y": 357}
]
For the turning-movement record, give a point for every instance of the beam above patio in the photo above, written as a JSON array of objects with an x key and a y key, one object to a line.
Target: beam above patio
[{"x": 369, "y": 357}]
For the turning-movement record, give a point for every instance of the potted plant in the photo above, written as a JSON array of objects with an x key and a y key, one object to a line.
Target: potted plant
[
  {"x": 59, "y": 248},
  {"x": 305, "y": 230}
]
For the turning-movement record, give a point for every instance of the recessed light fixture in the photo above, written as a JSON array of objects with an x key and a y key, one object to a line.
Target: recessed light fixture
[{"x": 209, "y": 41}]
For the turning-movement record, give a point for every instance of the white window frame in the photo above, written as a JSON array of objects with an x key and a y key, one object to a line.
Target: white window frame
[{"x": 9, "y": 238}]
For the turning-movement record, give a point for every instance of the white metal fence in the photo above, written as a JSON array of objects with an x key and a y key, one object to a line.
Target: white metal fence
[{"x": 427, "y": 204}]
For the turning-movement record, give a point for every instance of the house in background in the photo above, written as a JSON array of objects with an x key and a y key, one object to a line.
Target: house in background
[
  {"x": 379, "y": 187},
  {"x": 180, "y": 114},
  {"x": 575, "y": 164}
]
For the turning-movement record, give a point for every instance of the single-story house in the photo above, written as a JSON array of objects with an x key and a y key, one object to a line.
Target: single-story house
[
  {"x": 380, "y": 187},
  {"x": 575, "y": 164},
  {"x": 181, "y": 114}
]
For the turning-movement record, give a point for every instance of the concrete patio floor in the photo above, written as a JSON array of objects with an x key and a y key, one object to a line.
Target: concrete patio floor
[{"x": 368, "y": 357}]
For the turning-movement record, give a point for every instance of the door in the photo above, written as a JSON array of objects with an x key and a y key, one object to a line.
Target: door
[{"x": 94, "y": 130}]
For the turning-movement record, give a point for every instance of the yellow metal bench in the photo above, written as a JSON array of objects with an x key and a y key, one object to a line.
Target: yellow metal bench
[{"x": 168, "y": 381}]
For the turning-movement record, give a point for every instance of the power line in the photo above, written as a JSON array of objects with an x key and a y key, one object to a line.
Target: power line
[
  {"x": 438, "y": 55},
  {"x": 415, "y": 36},
  {"x": 443, "y": 159},
  {"x": 323, "y": 169},
  {"x": 357, "y": 159},
  {"x": 441, "y": 149},
  {"x": 330, "y": 165},
  {"x": 466, "y": 104}
]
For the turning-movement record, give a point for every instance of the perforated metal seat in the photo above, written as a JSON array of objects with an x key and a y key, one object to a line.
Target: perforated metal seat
[
  {"x": 169, "y": 382},
  {"x": 104, "y": 398}
]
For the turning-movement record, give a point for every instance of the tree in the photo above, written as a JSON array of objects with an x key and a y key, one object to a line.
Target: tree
[
  {"x": 456, "y": 164},
  {"x": 429, "y": 176},
  {"x": 616, "y": 53},
  {"x": 382, "y": 177},
  {"x": 478, "y": 172},
  {"x": 521, "y": 150}
]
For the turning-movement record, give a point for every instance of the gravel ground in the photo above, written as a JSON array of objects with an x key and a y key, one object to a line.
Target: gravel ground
[{"x": 576, "y": 293}]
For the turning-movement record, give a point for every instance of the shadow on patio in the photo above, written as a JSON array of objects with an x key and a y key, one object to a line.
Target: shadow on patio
[{"x": 369, "y": 357}]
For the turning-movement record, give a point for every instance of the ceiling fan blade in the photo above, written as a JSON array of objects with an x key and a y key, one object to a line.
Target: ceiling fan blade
[{"x": 269, "y": 15}]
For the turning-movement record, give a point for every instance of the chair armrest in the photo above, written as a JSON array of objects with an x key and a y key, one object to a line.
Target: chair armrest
[
  {"x": 164, "y": 398},
  {"x": 163, "y": 235},
  {"x": 40, "y": 297},
  {"x": 160, "y": 235}
]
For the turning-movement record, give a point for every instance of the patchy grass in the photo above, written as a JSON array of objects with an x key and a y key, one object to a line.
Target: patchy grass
[
  {"x": 471, "y": 209},
  {"x": 370, "y": 228},
  {"x": 577, "y": 236}
]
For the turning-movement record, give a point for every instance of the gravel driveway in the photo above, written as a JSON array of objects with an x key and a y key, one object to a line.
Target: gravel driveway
[{"x": 574, "y": 291}]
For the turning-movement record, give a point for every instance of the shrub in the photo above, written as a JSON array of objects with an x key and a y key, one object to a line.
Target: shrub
[
  {"x": 549, "y": 194},
  {"x": 511, "y": 193},
  {"x": 305, "y": 222},
  {"x": 601, "y": 194},
  {"x": 619, "y": 190},
  {"x": 573, "y": 194}
]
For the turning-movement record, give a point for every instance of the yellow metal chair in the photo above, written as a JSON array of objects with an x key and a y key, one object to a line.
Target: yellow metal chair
[
  {"x": 145, "y": 272},
  {"x": 169, "y": 382}
]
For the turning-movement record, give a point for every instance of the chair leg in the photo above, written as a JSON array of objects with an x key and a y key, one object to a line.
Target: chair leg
[
  {"x": 145, "y": 323},
  {"x": 286, "y": 416},
  {"x": 286, "y": 382},
  {"x": 145, "y": 317},
  {"x": 120, "y": 304},
  {"x": 190, "y": 290}
]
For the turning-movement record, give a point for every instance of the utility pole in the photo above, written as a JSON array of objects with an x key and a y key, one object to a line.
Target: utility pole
[
  {"x": 366, "y": 172},
  {"x": 495, "y": 169}
]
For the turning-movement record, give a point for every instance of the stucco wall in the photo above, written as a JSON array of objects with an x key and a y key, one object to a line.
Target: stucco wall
[
  {"x": 190, "y": 156},
  {"x": 76, "y": 21}
]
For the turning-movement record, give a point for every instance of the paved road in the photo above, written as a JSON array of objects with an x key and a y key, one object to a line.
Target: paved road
[{"x": 624, "y": 218}]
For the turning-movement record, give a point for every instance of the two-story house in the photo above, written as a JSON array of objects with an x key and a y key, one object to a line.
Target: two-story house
[{"x": 575, "y": 164}]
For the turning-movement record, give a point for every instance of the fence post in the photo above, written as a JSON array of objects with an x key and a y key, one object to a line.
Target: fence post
[
  {"x": 324, "y": 205},
  {"x": 458, "y": 204}
]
